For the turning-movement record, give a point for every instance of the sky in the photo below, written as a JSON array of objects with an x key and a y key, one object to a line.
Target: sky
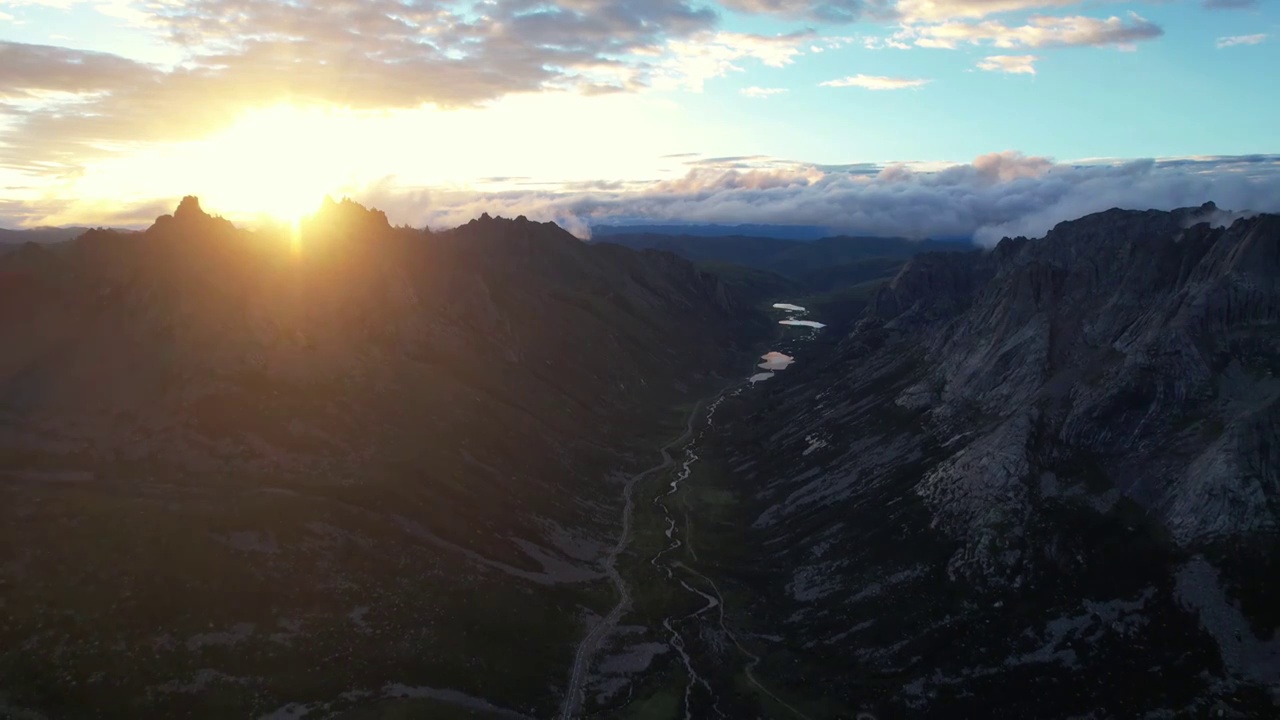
[{"x": 897, "y": 117}]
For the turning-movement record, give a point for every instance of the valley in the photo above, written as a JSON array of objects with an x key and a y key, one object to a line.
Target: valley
[
  {"x": 681, "y": 607},
  {"x": 498, "y": 472}
]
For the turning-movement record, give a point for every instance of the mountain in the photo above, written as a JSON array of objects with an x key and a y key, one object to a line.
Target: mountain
[
  {"x": 786, "y": 257},
  {"x": 781, "y": 232},
  {"x": 41, "y": 235},
  {"x": 833, "y": 275},
  {"x": 365, "y": 471},
  {"x": 245, "y": 471},
  {"x": 1034, "y": 482}
]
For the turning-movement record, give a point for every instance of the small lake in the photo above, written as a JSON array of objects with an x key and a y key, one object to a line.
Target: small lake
[{"x": 775, "y": 361}]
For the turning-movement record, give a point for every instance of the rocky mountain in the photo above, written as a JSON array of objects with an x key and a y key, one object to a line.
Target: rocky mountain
[
  {"x": 836, "y": 275},
  {"x": 1035, "y": 482},
  {"x": 706, "y": 230},
  {"x": 246, "y": 472},
  {"x": 361, "y": 471},
  {"x": 790, "y": 258}
]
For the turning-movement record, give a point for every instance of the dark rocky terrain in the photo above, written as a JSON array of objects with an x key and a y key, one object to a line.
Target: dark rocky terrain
[
  {"x": 377, "y": 472},
  {"x": 1037, "y": 482},
  {"x": 241, "y": 471},
  {"x": 834, "y": 275}
]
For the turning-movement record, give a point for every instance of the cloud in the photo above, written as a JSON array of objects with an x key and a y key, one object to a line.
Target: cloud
[
  {"x": 376, "y": 54},
  {"x": 1229, "y": 4},
  {"x": 760, "y": 92},
  {"x": 370, "y": 55},
  {"x": 1015, "y": 64},
  {"x": 29, "y": 70},
  {"x": 828, "y": 11},
  {"x": 1225, "y": 42},
  {"x": 941, "y": 10},
  {"x": 1039, "y": 32},
  {"x": 996, "y": 195},
  {"x": 691, "y": 62},
  {"x": 876, "y": 82}
]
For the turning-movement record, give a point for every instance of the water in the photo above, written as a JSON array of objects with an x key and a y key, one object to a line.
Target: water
[
  {"x": 759, "y": 377},
  {"x": 775, "y": 361},
  {"x": 802, "y": 323},
  {"x": 788, "y": 307}
]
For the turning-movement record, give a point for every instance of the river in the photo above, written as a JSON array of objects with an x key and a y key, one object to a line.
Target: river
[{"x": 698, "y": 690}]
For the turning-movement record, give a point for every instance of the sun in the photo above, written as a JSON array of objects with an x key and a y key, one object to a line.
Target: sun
[
  {"x": 279, "y": 161},
  {"x": 276, "y": 162}
]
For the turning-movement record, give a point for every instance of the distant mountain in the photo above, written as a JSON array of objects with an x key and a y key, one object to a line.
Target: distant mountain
[
  {"x": 1035, "y": 482},
  {"x": 836, "y": 274},
  {"x": 780, "y": 232},
  {"x": 232, "y": 455},
  {"x": 787, "y": 257},
  {"x": 40, "y": 235}
]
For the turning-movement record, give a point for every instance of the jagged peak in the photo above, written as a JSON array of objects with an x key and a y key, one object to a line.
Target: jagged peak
[
  {"x": 189, "y": 207},
  {"x": 486, "y": 219},
  {"x": 347, "y": 213},
  {"x": 188, "y": 215}
]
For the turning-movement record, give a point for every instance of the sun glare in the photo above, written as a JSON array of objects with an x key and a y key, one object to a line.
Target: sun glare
[{"x": 277, "y": 162}]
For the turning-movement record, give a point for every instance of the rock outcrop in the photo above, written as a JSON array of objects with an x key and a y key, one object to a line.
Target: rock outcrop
[{"x": 1023, "y": 436}]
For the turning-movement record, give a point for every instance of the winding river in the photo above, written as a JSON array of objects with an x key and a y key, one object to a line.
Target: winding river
[{"x": 672, "y": 569}]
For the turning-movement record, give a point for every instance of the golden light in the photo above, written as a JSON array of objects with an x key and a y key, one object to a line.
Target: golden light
[{"x": 279, "y": 162}]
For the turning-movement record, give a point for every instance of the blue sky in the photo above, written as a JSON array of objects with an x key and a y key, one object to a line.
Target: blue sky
[{"x": 449, "y": 103}]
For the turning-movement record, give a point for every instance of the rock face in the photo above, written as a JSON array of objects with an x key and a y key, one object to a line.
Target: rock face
[
  {"x": 274, "y": 469},
  {"x": 1049, "y": 486}
]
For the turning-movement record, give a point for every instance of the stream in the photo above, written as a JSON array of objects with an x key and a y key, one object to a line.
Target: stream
[{"x": 712, "y": 610}]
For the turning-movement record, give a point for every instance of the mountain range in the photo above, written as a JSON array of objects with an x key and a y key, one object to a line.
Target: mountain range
[{"x": 362, "y": 471}]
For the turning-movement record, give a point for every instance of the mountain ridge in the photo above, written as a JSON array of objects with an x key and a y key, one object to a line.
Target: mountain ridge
[
  {"x": 1037, "y": 467},
  {"x": 218, "y": 446}
]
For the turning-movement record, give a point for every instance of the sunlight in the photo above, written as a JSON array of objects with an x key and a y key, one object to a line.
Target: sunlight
[{"x": 278, "y": 162}]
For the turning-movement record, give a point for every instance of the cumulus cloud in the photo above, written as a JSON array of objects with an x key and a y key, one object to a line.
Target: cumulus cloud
[
  {"x": 29, "y": 70},
  {"x": 371, "y": 54},
  {"x": 1039, "y": 32},
  {"x": 876, "y": 82},
  {"x": 1225, "y": 42},
  {"x": 1014, "y": 64},
  {"x": 996, "y": 195},
  {"x": 689, "y": 63},
  {"x": 831, "y": 11},
  {"x": 761, "y": 92}
]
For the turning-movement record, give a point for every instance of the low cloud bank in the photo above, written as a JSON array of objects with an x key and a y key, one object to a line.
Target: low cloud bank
[{"x": 996, "y": 195}]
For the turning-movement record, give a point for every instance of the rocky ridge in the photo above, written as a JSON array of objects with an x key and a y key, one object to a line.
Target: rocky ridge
[
  {"x": 1037, "y": 481},
  {"x": 248, "y": 470}
]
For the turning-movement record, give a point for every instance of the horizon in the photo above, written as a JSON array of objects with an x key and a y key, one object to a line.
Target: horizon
[
  {"x": 917, "y": 118},
  {"x": 1221, "y": 217}
]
